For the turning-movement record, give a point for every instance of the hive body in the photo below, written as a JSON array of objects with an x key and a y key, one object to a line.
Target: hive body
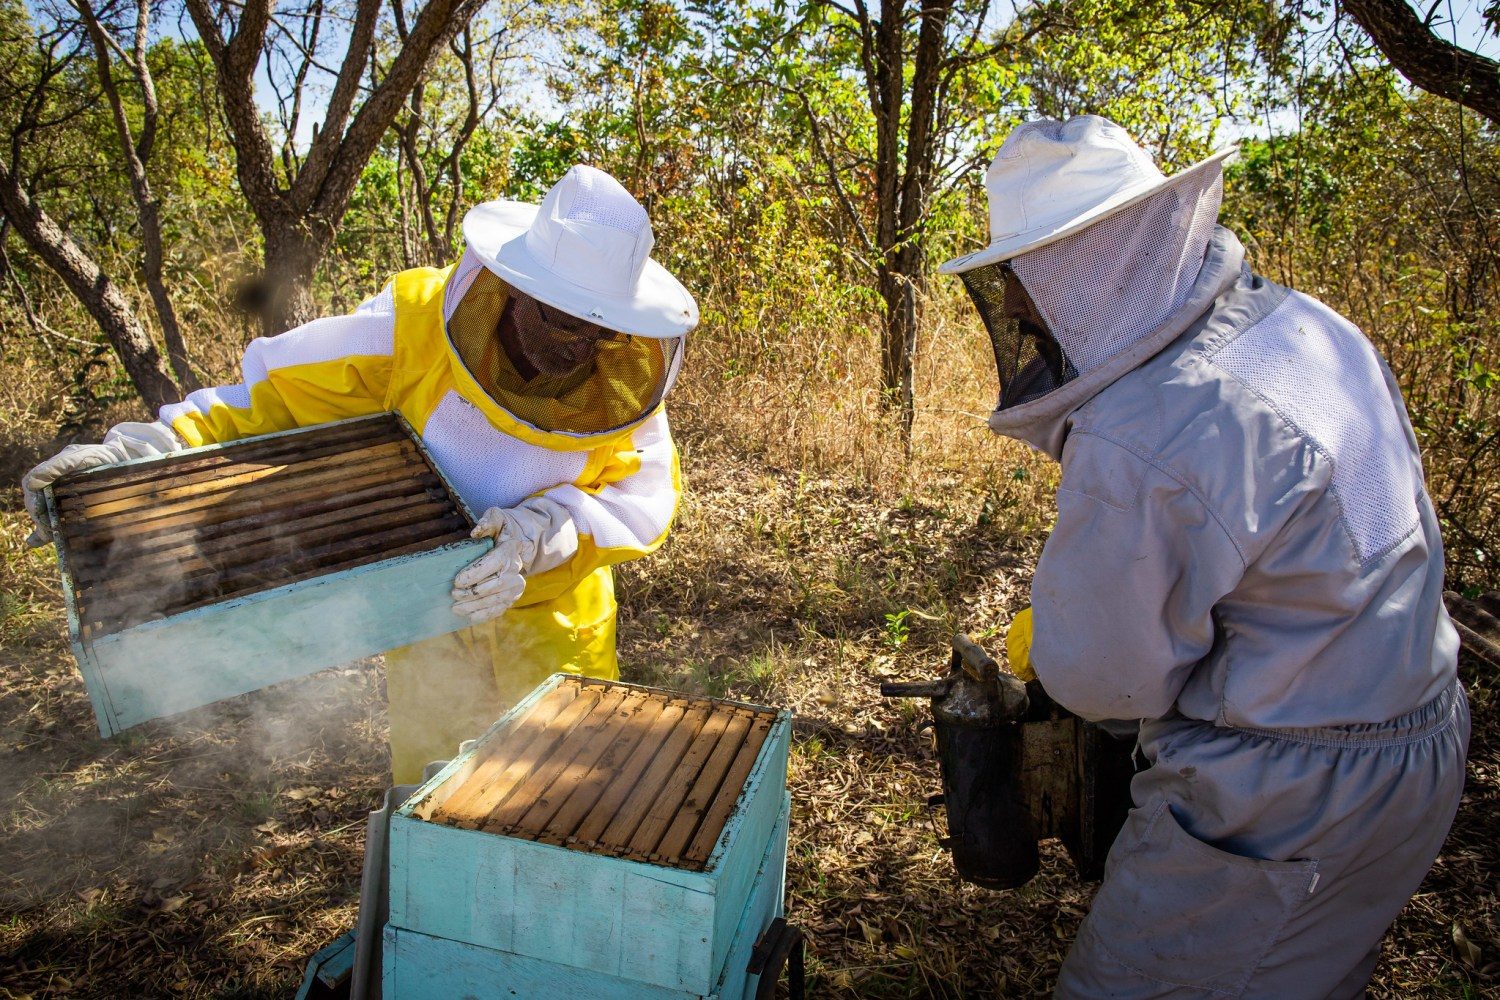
[
  {"x": 219, "y": 570},
  {"x": 610, "y": 839}
]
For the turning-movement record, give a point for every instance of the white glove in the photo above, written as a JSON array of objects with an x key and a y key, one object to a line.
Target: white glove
[
  {"x": 122, "y": 443},
  {"x": 530, "y": 538}
]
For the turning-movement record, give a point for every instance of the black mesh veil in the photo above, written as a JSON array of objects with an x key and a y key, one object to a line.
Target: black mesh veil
[
  {"x": 623, "y": 378},
  {"x": 1028, "y": 358}
]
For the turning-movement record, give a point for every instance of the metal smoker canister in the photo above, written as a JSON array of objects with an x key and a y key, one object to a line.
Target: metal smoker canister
[{"x": 1017, "y": 768}]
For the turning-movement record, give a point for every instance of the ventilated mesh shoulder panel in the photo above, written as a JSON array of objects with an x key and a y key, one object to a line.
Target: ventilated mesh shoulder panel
[
  {"x": 602, "y": 200},
  {"x": 326, "y": 339},
  {"x": 464, "y": 272},
  {"x": 489, "y": 468},
  {"x": 381, "y": 303},
  {"x": 627, "y": 379},
  {"x": 1109, "y": 285},
  {"x": 1320, "y": 373}
]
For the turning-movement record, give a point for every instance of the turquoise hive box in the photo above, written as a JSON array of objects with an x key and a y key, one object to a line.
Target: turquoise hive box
[
  {"x": 211, "y": 572},
  {"x": 601, "y": 840}
]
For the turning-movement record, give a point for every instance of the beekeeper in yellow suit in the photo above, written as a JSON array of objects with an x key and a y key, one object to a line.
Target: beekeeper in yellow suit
[{"x": 534, "y": 370}]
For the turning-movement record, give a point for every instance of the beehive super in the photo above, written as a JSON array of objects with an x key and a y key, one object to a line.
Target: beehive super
[{"x": 211, "y": 572}]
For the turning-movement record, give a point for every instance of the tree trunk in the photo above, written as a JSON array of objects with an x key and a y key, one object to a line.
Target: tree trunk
[
  {"x": 135, "y": 157},
  {"x": 171, "y": 331},
  {"x": 99, "y": 295},
  {"x": 298, "y": 221},
  {"x": 286, "y": 300},
  {"x": 898, "y": 292},
  {"x": 884, "y": 66}
]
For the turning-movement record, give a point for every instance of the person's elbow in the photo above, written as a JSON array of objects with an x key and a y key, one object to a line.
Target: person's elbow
[{"x": 1103, "y": 690}]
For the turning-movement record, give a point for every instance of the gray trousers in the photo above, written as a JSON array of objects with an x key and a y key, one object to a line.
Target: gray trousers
[{"x": 1269, "y": 863}]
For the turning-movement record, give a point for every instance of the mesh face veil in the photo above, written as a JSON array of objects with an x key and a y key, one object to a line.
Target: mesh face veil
[
  {"x": 1107, "y": 286},
  {"x": 1066, "y": 308},
  {"x": 1030, "y": 361},
  {"x": 555, "y": 371}
]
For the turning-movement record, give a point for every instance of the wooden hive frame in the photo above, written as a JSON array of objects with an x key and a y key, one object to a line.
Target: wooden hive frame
[
  {"x": 207, "y": 573},
  {"x": 153, "y": 540},
  {"x": 607, "y": 768}
]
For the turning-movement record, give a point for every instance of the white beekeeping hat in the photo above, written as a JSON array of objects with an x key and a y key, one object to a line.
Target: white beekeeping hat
[
  {"x": 1052, "y": 178},
  {"x": 585, "y": 250}
]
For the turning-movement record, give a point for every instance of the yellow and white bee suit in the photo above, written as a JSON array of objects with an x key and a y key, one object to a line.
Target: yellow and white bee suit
[{"x": 584, "y": 462}]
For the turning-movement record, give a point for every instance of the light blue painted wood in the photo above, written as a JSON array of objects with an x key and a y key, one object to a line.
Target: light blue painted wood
[
  {"x": 195, "y": 658},
  {"x": 524, "y": 897},
  {"x": 92, "y": 681},
  {"x": 767, "y": 902},
  {"x": 733, "y": 861},
  {"x": 205, "y": 655},
  {"x": 647, "y": 923},
  {"x": 330, "y": 967},
  {"x": 419, "y": 966}
]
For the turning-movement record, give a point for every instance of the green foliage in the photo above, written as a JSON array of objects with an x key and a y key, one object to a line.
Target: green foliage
[
  {"x": 1384, "y": 205},
  {"x": 897, "y": 631},
  {"x": 746, "y": 129},
  {"x": 1170, "y": 73},
  {"x": 543, "y": 153}
]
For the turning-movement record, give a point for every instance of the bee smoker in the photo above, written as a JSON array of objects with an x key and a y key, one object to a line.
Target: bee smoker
[{"x": 1017, "y": 768}]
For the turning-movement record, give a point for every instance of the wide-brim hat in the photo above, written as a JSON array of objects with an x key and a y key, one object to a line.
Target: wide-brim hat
[
  {"x": 1052, "y": 178},
  {"x": 585, "y": 250}
]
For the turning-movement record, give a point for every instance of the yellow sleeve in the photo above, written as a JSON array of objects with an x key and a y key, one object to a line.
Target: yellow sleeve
[
  {"x": 622, "y": 511},
  {"x": 329, "y": 369}
]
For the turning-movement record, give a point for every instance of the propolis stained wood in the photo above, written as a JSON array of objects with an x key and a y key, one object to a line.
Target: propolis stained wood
[
  {"x": 211, "y": 572},
  {"x": 555, "y": 763},
  {"x": 601, "y": 826}
]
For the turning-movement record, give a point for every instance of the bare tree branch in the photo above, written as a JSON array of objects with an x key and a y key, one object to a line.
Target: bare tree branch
[
  {"x": 437, "y": 23},
  {"x": 33, "y": 320},
  {"x": 330, "y": 136},
  {"x": 99, "y": 295},
  {"x": 234, "y": 62},
  {"x": 1436, "y": 66},
  {"x": 312, "y": 26},
  {"x": 298, "y": 221},
  {"x": 148, "y": 209},
  {"x": 821, "y": 148}
]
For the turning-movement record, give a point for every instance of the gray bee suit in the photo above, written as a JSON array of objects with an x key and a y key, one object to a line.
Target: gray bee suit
[{"x": 1245, "y": 558}]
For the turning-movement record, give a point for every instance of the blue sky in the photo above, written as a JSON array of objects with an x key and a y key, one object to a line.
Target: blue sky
[{"x": 1459, "y": 21}]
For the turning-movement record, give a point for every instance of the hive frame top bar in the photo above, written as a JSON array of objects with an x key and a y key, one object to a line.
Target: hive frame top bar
[
  {"x": 611, "y": 769},
  {"x": 92, "y": 476},
  {"x": 206, "y": 449},
  {"x": 172, "y": 458}
]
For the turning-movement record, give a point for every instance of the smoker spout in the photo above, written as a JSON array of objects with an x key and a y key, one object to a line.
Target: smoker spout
[{"x": 916, "y": 689}]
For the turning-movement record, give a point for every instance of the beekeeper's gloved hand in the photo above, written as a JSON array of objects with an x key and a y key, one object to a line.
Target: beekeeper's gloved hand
[
  {"x": 532, "y": 537},
  {"x": 122, "y": 443},
  {"x": 1018, "y": 646}
]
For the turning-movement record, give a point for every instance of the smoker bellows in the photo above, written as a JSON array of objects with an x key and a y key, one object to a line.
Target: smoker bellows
[
  {"x": 1018, "y": 768},
  {"x": 211, "y": 572}
]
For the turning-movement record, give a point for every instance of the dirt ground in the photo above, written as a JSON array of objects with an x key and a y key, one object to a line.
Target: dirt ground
[{"x": 210, "y": 854}]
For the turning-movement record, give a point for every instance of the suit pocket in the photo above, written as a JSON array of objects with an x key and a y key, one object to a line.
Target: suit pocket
[{"x": 1183, "y": 912}]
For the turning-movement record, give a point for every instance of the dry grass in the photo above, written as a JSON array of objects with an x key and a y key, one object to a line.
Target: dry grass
[{"x": 208, "y": 855}]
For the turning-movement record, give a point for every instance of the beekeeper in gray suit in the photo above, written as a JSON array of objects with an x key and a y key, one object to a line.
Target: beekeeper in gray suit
[{"x": 1245, "y": 560}]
